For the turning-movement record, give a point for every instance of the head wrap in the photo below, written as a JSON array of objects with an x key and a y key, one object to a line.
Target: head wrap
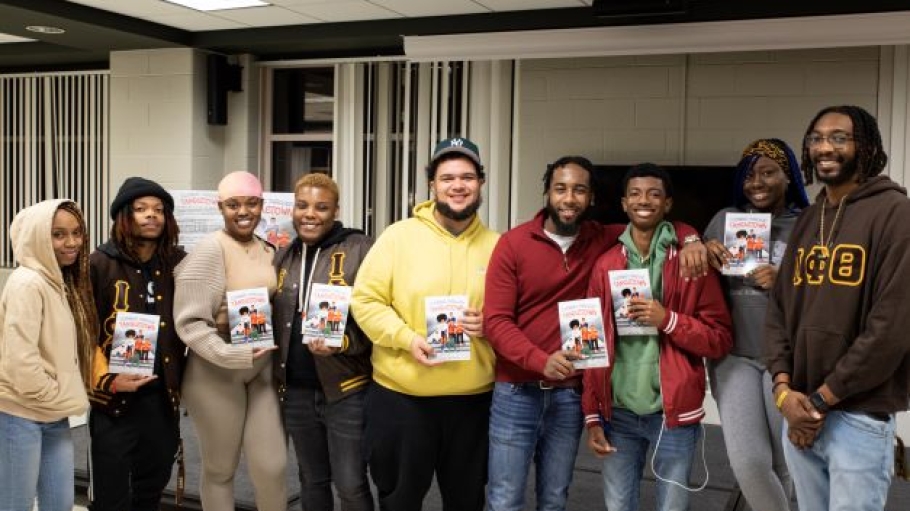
[
  {"x": 773, "y": 149},
  {"x": 239, "y": 184},
  {"x": 778, "y": 151}
]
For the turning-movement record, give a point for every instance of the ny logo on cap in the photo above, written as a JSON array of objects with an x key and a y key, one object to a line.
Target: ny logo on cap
[{"x": 456, "y": 142}]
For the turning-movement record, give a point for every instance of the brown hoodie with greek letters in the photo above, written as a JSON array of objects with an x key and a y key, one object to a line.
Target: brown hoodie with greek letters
[{"x": 839, "y": 314}]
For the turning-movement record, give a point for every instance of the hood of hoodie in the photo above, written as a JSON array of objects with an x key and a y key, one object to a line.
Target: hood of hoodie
[
  {"x": 425, "y": 213},
  {"x": 872, "y": 187},
  {"x": 33, "y": 246}
]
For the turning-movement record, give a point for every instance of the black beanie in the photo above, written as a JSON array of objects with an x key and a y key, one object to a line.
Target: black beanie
[{"x": 135, "y": 187}]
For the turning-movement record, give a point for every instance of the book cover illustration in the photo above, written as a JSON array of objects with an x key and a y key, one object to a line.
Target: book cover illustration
[
  {"x": 134, "y": 343},
  {"x": 747, "y": 236},
  {"x": 581, "y": 326},
  {"x": 326, "y": 314},
  {"x": 445, "y": 327},
  {"x": 625, "y": 285},
  {"x": 250, "y": 317}
]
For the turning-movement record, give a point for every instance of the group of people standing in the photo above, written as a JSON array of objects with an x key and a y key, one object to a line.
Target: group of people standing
[{"x": 806, "y": 355}]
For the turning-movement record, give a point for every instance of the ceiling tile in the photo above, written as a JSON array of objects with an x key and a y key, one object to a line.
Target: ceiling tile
[
  {"x": 295, "y": 2},
  {"x": 196, "y": 21},
  {"x": 343, "y": 10},
  {"x": 136, "y": 8},
  {"x": 265, "y": 16},
  {"x": 417, "y": 8},
  {"x": 523, "y": 5}
]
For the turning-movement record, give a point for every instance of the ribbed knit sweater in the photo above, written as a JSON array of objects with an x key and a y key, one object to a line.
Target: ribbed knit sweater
[{"x": 218, "y": 264}]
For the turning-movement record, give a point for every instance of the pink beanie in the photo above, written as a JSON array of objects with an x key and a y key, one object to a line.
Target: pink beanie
[{"x": 239, "y": 184}]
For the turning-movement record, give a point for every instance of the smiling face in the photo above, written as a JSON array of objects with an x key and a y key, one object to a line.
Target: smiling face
[
  {"x": 241, "y": 216},
  {"x": 568, "y": 199},
  {"x": 66, "y": 237},
  {"x": 456, "y": 189},
  {"x": 646, "y": 202},
  {"x": 765, "y": 185},
  {"x": 834, "y": 164},
  {"x": 315, "y": 209},
  {"x": 148, "y": 218}
]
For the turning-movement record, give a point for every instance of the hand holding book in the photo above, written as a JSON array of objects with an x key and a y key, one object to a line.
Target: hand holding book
[
  {"x": 647, "y": 311},
  {"x": 423, "y": 352},
  {"x": 259, "y": 352},
  {"x": 764, "y": 275},
  {"x": 472, "y": 320},
  {"x": 126, "y": 382},
  {"x": 559, "y": 365},
  {"x": 321, "y": 348}
]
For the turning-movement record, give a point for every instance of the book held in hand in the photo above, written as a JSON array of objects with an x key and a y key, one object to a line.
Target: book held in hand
[
  {"x": 134, "y": 344},
  {"x": 445, "y": 327},
  {"x": 748, "y": 237},
  {"x": 250, "y": 317},
  {"x": 581, "y": 326},
  {"x": 326, "y": 314},
  {"x": 625, "y": 285}
]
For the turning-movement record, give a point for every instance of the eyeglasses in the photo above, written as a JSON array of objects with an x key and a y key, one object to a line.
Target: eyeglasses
[{"x": 838, "y": 140}]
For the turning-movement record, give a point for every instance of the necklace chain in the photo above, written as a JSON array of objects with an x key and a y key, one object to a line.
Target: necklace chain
[{"x": 821, "y": 227}]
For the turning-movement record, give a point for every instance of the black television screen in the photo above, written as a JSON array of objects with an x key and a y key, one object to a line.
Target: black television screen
[{"x": 700, "y": 191}]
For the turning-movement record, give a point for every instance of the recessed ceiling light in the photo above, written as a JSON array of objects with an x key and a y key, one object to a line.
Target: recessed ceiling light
[
  {"x": 218, "y": 5},
  {"x": 42, "y": 29}
]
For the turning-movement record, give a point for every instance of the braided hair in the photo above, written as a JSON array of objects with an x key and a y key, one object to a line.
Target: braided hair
[
  {"x": 79, "y": 295},
  {"x": 870, "y": 153}
]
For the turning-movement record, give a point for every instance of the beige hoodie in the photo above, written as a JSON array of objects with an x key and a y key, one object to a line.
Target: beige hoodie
[{"x": 39, "y": 370}]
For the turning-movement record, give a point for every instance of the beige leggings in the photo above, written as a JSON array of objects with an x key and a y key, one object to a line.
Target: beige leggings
[{"x": 233, "y": 410}]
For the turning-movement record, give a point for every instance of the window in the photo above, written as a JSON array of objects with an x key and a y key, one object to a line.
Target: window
[{"x": 300, "y": 122}]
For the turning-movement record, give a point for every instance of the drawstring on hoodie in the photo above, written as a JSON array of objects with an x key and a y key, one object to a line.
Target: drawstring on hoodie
[{"x": 303, "y": 291}]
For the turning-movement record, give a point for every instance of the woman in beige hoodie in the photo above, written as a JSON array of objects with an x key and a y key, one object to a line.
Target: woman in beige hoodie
[{"x": 48, "y": 331}]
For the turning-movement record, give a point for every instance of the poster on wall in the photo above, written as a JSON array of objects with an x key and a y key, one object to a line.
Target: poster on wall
[{"x": 197, "y": 215}]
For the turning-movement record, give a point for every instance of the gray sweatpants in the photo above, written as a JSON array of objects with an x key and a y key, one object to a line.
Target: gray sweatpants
[
  {"x": 752, "y": 431},
  {"x": 234, "y": 410}
]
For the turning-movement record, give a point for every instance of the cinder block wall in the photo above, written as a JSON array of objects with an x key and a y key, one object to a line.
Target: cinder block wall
[{"x": 677, "y": 109}]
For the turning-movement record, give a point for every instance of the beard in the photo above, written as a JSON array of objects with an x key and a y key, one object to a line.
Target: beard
[
  {"x": 847, "y": 173},
  {"x": 458, "y": 216},
  {"x": 565, "y": 228}
]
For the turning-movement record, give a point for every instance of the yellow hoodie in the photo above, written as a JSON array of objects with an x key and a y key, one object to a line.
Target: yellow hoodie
[{"x": 411, "y": 260}]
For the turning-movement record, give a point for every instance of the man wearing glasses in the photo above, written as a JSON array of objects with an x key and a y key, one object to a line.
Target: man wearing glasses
[{"x": 836, "y": 330}]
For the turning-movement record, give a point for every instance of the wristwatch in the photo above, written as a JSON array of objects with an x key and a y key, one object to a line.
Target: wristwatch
[
  {"x": 692, "y": 238},
  {"x": 818, "y": 402}
]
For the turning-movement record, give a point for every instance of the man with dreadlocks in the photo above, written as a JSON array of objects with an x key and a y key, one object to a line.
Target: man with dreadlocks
[
  {"x": 836, "y": 331},
  {"x": 135, "y": 419}
]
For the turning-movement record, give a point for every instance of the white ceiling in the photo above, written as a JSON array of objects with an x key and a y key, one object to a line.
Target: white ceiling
[{"x": 300, "y": 12}]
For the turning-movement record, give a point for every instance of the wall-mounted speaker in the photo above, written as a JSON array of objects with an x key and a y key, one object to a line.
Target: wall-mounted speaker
[{"x": 221, "y": 77}]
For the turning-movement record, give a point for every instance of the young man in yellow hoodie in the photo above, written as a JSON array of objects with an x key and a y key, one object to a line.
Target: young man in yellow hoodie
[{"x": 423, "y": 416}]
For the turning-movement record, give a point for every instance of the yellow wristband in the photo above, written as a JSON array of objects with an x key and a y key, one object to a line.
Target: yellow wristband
[{"x": 781, "y": 397}]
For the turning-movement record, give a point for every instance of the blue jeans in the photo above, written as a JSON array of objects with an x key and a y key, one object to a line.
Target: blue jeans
[
  {"x": 632, "y": 435},
  {"x": 328, "y": 439},
  {"x": 848, "y": 467},
  {"x": 36, "y": 460},
  {"x": 527, "y": 423}
]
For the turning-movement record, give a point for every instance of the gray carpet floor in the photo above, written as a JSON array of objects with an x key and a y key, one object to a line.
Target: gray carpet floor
[{"x": 585, "y": 494}]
